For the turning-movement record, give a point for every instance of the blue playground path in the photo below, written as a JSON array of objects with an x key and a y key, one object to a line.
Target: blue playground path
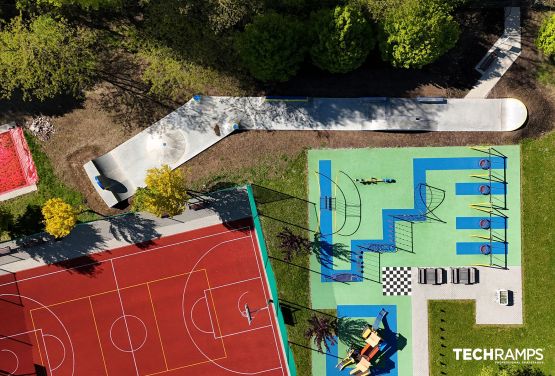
[{"x": 389, "y": 216}]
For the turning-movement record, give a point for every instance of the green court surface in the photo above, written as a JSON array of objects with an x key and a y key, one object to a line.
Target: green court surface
[{"x": 430, "y": 216}]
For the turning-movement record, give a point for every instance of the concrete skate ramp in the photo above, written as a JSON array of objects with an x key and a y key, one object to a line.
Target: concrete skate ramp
[{"x": 201, "y": 123}]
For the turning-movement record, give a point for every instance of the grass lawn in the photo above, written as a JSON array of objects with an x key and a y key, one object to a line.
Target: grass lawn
[
  {"x": 22, "y": 213},
  {"x": 286, "y": 175},
  {"x": 452, "y": 324}
]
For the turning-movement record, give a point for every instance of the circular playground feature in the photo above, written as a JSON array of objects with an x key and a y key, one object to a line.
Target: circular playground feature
[
  {"x": 485, "y": 189},
  {"x": 167, "y": 147},
  {"x": 485, "y": 224},
  {"x": 485, "y": 164},
  {"x": 485, "y": 249}
]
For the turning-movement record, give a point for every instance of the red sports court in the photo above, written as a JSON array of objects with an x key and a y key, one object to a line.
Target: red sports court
[{"x": 196, "y": 303}]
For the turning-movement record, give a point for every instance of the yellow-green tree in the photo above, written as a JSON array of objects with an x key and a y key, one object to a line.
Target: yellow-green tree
[
  {"x": 165, "y": 192},
  {"x": 59, "y": 217}
]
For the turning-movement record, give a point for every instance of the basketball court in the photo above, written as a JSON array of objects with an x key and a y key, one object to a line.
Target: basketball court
[{"x": 193, "y": 303}]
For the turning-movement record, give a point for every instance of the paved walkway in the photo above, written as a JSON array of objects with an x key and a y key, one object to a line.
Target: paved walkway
[
  {"x": 200, "y": 124},
  {"x": 99, "y": 236},
  {"x": 487, "y": 310},
  {"x": 507, "y": 49}
]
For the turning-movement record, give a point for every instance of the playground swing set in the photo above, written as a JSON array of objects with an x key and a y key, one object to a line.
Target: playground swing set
[{"x": 361, "y": 358}]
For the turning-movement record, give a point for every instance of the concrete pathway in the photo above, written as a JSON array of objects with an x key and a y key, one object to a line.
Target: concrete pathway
[
  {"x": 99, "y": 236},
  {"x": 201, "y": 123},
  {"x": 505, "y": 51},
  {"x": 487, "y": 310}
]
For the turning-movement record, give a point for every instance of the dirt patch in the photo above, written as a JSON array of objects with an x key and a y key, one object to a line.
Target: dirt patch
[{"x": 84, "y": 134}]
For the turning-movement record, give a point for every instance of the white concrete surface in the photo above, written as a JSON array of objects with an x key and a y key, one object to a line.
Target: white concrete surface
[
  {"x": 487, "y": 310},
  {"x": 191, "y": 128},
  {"x": 18, "y": 192},
  {"x": 509, "y": 48}
]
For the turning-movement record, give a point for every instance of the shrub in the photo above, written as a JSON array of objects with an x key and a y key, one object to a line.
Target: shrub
[
  {"x": 44, "y": 59},
  {"x": 165, "y": 192},
  {"x": 546, "y": 36},
  {"x": 417, "y": 33},
  {"x": 272, "y": 47},
  {"x": 59, "y": 217},
  {"x": 342, "y": 39}
]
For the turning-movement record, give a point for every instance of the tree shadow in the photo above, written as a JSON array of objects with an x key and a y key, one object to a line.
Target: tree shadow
[
  {"x": 325, "y": 251},
  {"x": 30, "y": 222},
  {"x": 133, "y": 229},
  {"x": 230, "y": 204},
  {"x": 72, "y": 252},
  {"x": 349, "y": 331},
  {"x": 16, "y": 108}
]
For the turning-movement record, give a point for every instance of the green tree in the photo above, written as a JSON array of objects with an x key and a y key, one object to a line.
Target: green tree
[
  {"x": 225, "y": 14},
  {"x": 165, "y": 192},
  {"x": 171, "y": 77},
  {"x": 44, "y": 58},
  {"x": 546, "y": 36},
  {"x": 59, "y": 217},
  {"x": 85, "y": 4},
  {"x": 342, "y": 39},
  {"x": 418, "y": 33},
  {"x": 272, "y": 47}
]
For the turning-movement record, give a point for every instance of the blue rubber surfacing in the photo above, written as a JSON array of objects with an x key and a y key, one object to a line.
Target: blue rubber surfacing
[{"x": 390, "y": 216}]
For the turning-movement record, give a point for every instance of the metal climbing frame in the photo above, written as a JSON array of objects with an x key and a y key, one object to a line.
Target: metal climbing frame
[{"x": 493, "y": 208}]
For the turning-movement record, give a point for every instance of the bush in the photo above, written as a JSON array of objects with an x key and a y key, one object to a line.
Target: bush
[
  {"x": 417, "y": 33},
  {"x": 272, "y": 47},
  {"x": 59, "y": 217},
  {"x": 44, "y": 59},
  {"x": 165, "y": 192},
  {"x": 171, "y": 77},
  {"x": 342, "y": 39},
  {"x": 546, "y": 36}
]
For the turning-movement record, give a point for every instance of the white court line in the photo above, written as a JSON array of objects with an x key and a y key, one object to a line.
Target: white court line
[
  {"x": 132, "y": 254},
  {"x": 245, "y": 331},
  {"x": 214, "y": 362},
  {"x": 57, "y": 318},
  {"x": 242, "y": 313},
  {"x": 124, "y": 319},
  {"x": 18, "y": 334},
  {"x": 234, "y": 283},
  {"x": 16, "y": 361},
  {"x": 131, "y": 347},
  {"x": 210, "y": 314},
  {"x": 279, "y": 350},
  {"x": 46, "y": 352},
  {"x": 63, "y": 347},
  {"x": 193, "y": 321}
]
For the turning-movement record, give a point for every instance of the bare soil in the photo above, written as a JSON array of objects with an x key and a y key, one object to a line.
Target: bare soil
[{"x": 118, "y": 108}]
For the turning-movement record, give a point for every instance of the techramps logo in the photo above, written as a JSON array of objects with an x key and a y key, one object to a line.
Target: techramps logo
[{"x": 500, "y": 356}]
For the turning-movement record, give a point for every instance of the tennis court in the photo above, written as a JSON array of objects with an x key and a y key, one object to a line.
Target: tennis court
[{"x": 192, "y": 303}]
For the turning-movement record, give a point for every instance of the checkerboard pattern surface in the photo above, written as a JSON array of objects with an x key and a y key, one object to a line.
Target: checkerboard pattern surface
[{"x": 396, "y": 280}]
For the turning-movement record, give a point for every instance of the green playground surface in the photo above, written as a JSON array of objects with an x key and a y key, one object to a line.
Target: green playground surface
[{"x": 428, "y": 217}]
